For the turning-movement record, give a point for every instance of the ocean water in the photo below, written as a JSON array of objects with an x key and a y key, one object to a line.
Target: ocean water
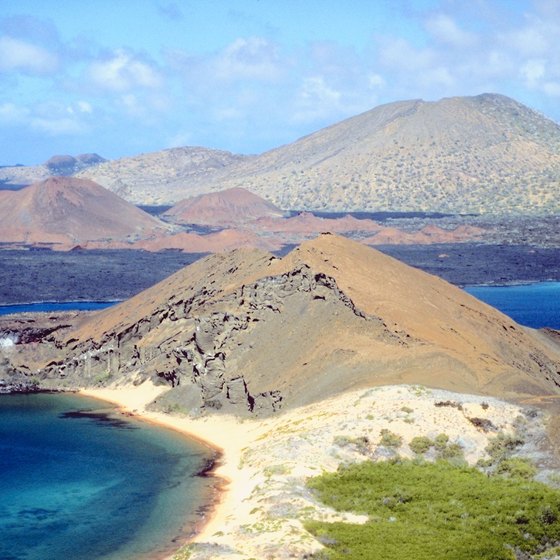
[
  {"x": 79, "y": 481},
  {"x": 50, "y": 306},
  {"x": 533, "y": 305}
]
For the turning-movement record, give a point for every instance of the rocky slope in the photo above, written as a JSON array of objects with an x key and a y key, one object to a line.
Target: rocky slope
[
  {"x": 65, "y": 211},
  {"x": 160, "y": 177},
  {"x": 483, "y": 154},
  {"x": 20, "y": 175},
  {"x": 249, "y": 333}
]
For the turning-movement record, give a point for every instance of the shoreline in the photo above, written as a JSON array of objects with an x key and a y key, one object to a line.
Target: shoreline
[
  {"x": 261, "y": 501},
  {"x": 131, "y": 402}
]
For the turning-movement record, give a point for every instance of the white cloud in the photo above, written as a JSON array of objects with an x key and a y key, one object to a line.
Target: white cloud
[
  {"x": 531, "y": 40},
  {"x": 12, "y": 114},
  {"x": 532, "y": 72},
  {"x": 376, "y": 81},
  {"x": 552, "y": 88},
  {"x": 123, "y": 72},
  {"x": 253, "y": 58},
  {"x": 84, "y": 107},
  {"x": 18, "y": 55},
  {"x": 57, "y": 126},
  {"x": 316, "y": 100},
  {"x": 398, "y": 54},
  {"x": 444, "y": 29},
  {"x": 54, "y": 119}
]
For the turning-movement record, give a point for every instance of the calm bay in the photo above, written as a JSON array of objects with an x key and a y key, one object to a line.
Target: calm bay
[{"x": 80, "y": 481}]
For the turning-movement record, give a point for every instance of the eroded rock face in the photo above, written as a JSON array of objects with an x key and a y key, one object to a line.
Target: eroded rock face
[
  {"x": 247, "y": 333},
  {"x": 194, "y": 343}
]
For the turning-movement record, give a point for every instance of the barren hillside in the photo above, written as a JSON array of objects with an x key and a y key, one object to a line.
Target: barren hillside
[
  {"x": 483, "y": 154},
  {"x": 247, "y": 332}
]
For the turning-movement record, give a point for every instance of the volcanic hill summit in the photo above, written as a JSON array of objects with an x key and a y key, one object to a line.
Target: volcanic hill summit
[
  {"x": 483, "y": 154},
  {"x": 235, "y": 206},
  {"x": 66, "y": 210},
  {"x": 247, "y": 332}
]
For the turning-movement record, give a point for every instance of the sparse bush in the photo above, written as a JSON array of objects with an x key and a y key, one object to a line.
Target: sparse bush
[
  {"x": 516, "y": 467},
  {"x": 360, "y": 444},
  {"x": 483, "y": 423},
  {"x": 420, "y": 444},
  {"x": 451, "y": 404},
  {"x": 390, "y": 439},
  {"x": 102, "y": 377},
  {"x": 441, "y": 441}
]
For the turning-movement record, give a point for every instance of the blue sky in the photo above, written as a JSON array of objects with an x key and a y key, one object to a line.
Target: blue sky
[{"x": 120, "y": 77}]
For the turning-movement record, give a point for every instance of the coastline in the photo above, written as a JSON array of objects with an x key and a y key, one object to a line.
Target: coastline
[
  {"x": 261, "y": 501},
  {"x": 131, "y": 401}
]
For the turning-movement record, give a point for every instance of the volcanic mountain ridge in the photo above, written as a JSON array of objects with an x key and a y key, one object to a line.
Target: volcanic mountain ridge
[
  {"x": 248, "y": 333},
  {"x": 484, "y": 154}
]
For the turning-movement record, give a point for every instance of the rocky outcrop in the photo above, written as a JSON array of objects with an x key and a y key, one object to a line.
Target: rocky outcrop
[
  {"x": 249, "y": 334},
  {"x": 69, "y": 165},
  {"x": 197, "y": 341}
]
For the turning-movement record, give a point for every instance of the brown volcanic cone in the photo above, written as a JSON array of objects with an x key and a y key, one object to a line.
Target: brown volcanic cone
[
  {"x": 225, "y": 208},
  {"x": 247, "y": 332},
  {"x": 68, "y": 210}
]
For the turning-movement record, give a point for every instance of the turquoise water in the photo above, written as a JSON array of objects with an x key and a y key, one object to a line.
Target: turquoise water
[
  {"x": 50, "y": 306},
  {"x": 77, "y": 481},
  {"x": 532, "y": 305}
]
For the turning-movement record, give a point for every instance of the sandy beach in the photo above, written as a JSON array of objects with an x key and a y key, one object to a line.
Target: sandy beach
[{"x": 265, "y": 463}]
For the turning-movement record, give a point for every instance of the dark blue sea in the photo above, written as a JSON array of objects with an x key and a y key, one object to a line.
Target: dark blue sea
[
  {"x": 80, "y": 481},
  {"x": 532, "y": 305},
  {"x": 51, "y": 306}
]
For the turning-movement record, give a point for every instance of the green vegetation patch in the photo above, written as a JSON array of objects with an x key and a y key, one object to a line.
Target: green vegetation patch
[{"x": 431, "y": 511}]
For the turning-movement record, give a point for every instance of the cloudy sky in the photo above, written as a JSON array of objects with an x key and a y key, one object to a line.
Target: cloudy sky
[{"x": 120, "y": 77}]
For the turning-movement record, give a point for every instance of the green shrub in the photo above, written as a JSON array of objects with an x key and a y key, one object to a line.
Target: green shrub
[
  {"x": 516, "y": 467},
  {"x": 441, "y": 441},
  {"x": 451, "y": 451},
  {"x": 420, "y": 444},
  {"x": 503, "y": 445},
  {"x": 434, "y": 511},
  {"x": 390, "y": 439}
]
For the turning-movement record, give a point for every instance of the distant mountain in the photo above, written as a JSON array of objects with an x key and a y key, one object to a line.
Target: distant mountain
[
  {"x": 160, "y": 177},
  {"x": 235, "y": 206},
  {"x": 69, "y": 165},
  {"x": 483, "y": 154},
  {"x": 21, "y": 175},
  {"x": 65, "y": 211}
]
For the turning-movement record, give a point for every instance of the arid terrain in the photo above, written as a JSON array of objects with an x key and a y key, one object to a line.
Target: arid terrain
[
  {"x": 485, "y": 154},
  {"x": 65, "y": 211},
  {"x": 226, "y": 333}
]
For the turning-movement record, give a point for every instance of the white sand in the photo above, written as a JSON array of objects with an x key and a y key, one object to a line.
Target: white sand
[{"x": 266, "y": 462}]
